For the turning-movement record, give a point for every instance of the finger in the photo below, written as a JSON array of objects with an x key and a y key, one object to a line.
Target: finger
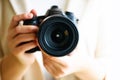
[
  {"x": 54, "y": 59},
  {"x": 22, "y": 30},
  {"x": 54, "y": 69},
  {"x": 51, "y": 70},
  {"x": 17, "y": 18},
  {"x": 33, "y": 12},
  {"x": 25, "y": 47},
  {"x": 22, "y": 38}
]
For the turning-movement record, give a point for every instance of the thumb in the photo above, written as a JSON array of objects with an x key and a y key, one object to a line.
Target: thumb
[{"x": 34, "y": 12}]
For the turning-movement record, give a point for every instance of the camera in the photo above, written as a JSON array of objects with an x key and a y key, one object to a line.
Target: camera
[{"x": 58, "y": 34}]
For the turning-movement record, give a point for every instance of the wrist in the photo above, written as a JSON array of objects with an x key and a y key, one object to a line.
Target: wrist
[{"x": 12, "y": 69}]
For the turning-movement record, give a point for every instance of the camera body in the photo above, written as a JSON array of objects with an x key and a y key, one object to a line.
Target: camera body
[{"x": 58, "y": 34}]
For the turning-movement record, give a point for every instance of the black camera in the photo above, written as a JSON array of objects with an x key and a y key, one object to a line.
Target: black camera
[{"x": 58, "y": 34}]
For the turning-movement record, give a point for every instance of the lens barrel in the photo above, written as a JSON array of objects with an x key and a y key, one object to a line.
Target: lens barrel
[{"x": 57, "y": 36}]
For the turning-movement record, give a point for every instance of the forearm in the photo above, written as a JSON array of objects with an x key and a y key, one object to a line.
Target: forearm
[
  {"x": 92, "y": 70},
  {"x": 11, "y": 69}
]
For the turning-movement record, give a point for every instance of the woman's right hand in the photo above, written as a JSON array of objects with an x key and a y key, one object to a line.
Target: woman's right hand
[{"x": 20, "y": 38}]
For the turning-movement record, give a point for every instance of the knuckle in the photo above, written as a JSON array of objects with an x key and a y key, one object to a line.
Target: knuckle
[
  {"x": 17, "y": 29},
  {"x": 22, "y": 48},
  {"x": 14, "y": 18},
  {"x": 24, "y": 15},
  {"x": 19, "y": 17}
]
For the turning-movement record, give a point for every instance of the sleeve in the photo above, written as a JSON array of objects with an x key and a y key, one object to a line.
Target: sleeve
[
  {"x": 0, "y": 15},
  {"x": 0, "y": 35}
]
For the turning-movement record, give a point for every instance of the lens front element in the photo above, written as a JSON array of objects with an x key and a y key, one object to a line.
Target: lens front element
[{"x": 58, "y": 36}]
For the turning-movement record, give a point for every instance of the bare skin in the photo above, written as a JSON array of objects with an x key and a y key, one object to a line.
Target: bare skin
[
  {"x": 86, "y": 67},
  {"x": 17, "y": 62}
]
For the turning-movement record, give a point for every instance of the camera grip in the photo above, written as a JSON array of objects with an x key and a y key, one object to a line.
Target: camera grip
[
  {"x": 32, "y": 21},
  {"x": 33, "y": 50}
]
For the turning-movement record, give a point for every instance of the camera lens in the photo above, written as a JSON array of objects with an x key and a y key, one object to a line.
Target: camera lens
[{"x": 57, "y": 36}]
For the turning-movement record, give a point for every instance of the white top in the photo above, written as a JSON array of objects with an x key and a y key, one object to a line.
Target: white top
[
  {"x": 41, "y": 6},
  {"x": 99, "y": 22},
  {"x": 99, "y": 26}
]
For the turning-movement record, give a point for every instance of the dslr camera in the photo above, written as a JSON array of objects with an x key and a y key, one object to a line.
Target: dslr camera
[{"x": 58, "y": 34}]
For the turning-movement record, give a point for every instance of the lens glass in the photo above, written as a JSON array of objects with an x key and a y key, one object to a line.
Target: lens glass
[{"x": 58, "y": 36}]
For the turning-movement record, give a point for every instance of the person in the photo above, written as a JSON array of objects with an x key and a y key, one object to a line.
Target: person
[
  {"x": 8, "y": 9},
  {"x": 94, "y": 58}
]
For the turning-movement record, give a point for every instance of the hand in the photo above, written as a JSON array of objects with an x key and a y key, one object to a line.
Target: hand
[
  {"x": 77, "y": 62},
  {"x": 62, "y": 66},
  {"x": 22, "y": 38}
]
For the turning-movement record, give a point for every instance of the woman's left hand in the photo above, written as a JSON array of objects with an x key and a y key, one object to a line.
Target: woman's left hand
[{"x": 61, "y": 66}]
